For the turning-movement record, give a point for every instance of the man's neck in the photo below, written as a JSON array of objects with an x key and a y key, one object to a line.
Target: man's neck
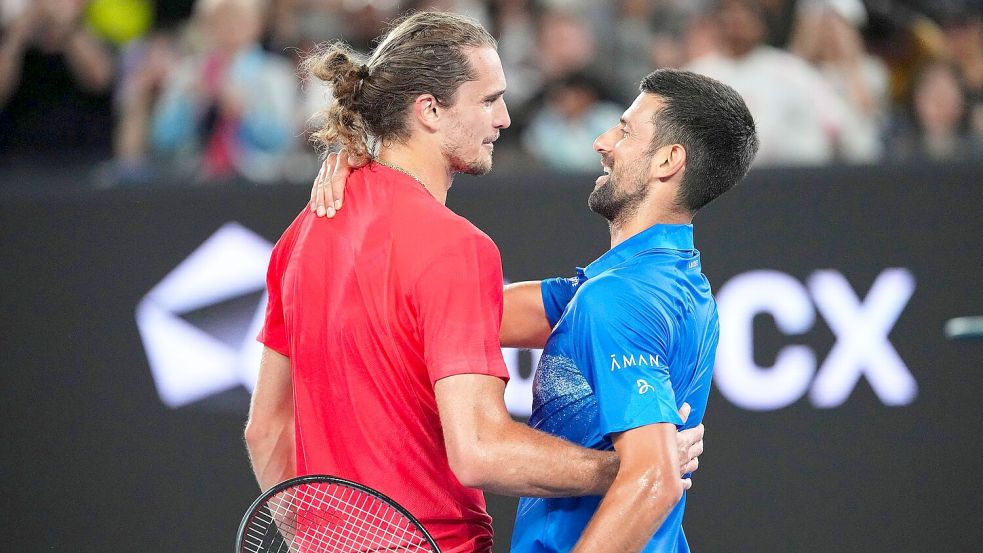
[
  {"x": 425, "y": 163},
  {"x": 647, "y": 215}
]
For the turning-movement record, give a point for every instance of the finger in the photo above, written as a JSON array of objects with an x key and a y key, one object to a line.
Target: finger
[
  {"x": 687, "y": 483},
  {"x": 317, "y": 180},
  {"x": 337, "y": 177},
  {"x": 699, "y": 431},
  {"x": 684, "y": 411},
  {"x": 326, "y": 200},
  {"x": 356, "y": 162},
  {"x": 321, "y": 201},
  {"x": 691, "y": 466},
  {"x": 686, "y": 438},
  {"x": 695, "y": 450},
  {"x": 343, "y": 168}
]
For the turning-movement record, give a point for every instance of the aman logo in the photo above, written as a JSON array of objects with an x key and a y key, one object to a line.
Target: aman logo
[{"x": 643, "y": 360}]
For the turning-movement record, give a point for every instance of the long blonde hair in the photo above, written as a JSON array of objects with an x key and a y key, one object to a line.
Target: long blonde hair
[{"x": 424, "y": 53}]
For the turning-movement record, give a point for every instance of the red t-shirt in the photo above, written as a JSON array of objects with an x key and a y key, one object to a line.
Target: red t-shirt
[{"x": 372, "y": 308}]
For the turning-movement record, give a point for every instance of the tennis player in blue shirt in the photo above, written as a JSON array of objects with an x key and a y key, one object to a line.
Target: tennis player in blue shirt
[{"x": 635, "y": 332}]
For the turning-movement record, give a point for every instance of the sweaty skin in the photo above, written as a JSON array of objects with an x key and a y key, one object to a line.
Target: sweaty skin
[{"x": 524, "y": 322}]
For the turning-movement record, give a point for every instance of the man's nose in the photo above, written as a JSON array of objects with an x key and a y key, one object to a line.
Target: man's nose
[
  {"x": 502, "y": 119},
  {"x": 602, "y": 143}
]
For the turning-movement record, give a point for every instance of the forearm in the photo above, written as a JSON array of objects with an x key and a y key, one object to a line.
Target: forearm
[
  {"x": 646, "y": 489},
  {"x": 630, "y": 514},
  {"x": 524, "y": 322},
  {"x": 271, "y": 453},
  {"x": 270, "y": 429},
  {"x": 519, "y": 461},
  {"x": 91, "y": 63}
]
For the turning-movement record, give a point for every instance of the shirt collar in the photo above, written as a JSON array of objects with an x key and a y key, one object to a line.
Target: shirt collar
[{"x": 672, "y": 237}]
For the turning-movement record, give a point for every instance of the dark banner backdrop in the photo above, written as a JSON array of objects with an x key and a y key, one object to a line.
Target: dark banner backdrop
[{"x": 842, "y": 420}]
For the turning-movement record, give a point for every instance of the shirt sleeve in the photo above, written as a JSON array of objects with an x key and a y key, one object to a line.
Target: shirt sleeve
[
  {"x": 624, "y": 353},
  {"x": 274, "y": 332},
  {"x": 459, "y": 304},
  {"x": 557, "y": 293}
]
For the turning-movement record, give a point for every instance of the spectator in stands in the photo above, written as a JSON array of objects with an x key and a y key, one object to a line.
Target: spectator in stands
[
  {"x": 515, "y": 29},
  {"x": 292, "y": 23},
  {"x": 514, "y": 25},
  {"x": 800, "y": 119},
  {"x": 55, "y": 78},
  {"x": 357, "y": 23},
  {"x": 562, "y": 133},
  {"x": 475, "y": 9},
  {"x": 938, "y": 127},
  {"x": 646, "y": 34},
  {"x": 566, "y": 44},
  {"x": 229, "y": 107},
  {"x": 962, "y": 24},
  {"x": 145, "y": 65},
  {"x": 827, "y": 34}
]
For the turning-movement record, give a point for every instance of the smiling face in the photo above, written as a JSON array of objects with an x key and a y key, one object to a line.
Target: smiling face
[
  {"x": 477, "y": 116},
  {"x": 626, "y": 158}
]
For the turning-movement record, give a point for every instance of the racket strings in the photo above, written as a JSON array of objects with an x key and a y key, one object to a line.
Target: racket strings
[{"x": 328, "y": 518}]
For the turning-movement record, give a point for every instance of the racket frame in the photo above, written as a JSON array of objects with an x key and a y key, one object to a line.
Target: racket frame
[{"x": 327, "y": 479}]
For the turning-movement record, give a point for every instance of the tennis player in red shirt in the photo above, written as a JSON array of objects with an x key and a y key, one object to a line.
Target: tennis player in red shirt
[{"x": 382, "y": 361}]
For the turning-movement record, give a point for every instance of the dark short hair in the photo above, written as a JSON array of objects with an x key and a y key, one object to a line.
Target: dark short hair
[{"x": 712, "y": 122}]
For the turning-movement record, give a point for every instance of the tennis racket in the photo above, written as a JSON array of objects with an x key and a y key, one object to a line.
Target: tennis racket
[{"x": 324, "y": 514}]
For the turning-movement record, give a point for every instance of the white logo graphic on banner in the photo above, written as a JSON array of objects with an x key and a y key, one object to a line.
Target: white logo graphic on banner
[
  {"x": 861, "y": 328},
  {"x": 518, "y": 392},
  {"x": 188, "y": 363}
]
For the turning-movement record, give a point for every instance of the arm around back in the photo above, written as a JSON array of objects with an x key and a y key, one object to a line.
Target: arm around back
[
  {"x": 488, "y": 450},
  {"x": 524, "y": 321}
]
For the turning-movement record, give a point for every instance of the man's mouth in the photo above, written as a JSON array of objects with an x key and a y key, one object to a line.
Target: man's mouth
[
  {"x": 607, "y": 173},
  {"x": 606, "y": 164}
]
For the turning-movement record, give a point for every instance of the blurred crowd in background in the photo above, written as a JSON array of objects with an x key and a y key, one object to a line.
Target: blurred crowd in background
[{"x": 210, "y": 90}]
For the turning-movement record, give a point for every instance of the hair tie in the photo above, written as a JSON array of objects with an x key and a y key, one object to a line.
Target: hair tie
[{"x": 363, "y": 71}]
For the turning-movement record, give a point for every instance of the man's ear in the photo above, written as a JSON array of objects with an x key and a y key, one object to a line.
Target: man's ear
[
  {"x": 668, "y": 161},
  {"x": 427, "y": 111}
]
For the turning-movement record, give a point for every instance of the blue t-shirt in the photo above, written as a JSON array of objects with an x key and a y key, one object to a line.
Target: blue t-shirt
[{"x": 634, "y": 336}]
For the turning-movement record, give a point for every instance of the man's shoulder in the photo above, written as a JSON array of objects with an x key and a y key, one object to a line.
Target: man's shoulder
[
  {"x": 607, "y": 292},
  {"x": 625, "y": 285},
  {"x": 626, "y": 295},
  {"x": 442, "y": 224},
  {"x": 420, "y": 227},
  {"x": 290, "y": 234},
  {"x": 419, "y": 218}
]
